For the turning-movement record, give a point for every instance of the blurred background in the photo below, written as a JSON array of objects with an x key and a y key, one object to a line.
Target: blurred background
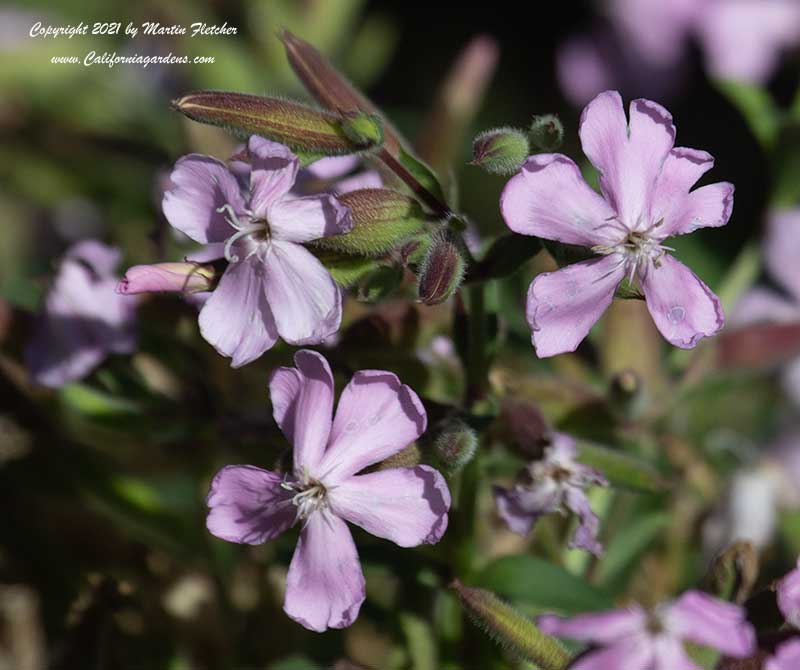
[{"x": 104, "y": 557}]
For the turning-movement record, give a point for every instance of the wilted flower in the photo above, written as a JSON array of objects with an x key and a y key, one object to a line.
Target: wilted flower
[
  {"x": 376, "y": 418},
  {"x": 761, "y": 305},
  {"x": 83, "y": 319},
  {"x": 654, "y": 640},
  {"x": 273, "y": 285},
  {"x": 646, "y": 43},
  {"x": 645, "y": 184},
  {"x": 787, "y": 656},
  {"x": 556, "y": 483}
]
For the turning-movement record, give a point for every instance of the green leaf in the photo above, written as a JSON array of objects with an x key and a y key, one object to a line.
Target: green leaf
[
  {"x": 93, "y": 403},
  {"x": 347, "y": 270},
  {"x": 422, "y": 173},
  {"x": 382, "y": 219},
  {"x": 621, "y": 470},
  {"x": 532, "y": 581},
  {"x": 757, "y": 107},
  {"x": 627, "y": 545}
]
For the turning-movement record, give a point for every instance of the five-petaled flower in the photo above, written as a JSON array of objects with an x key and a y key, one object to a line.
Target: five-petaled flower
[
  {"x": 273, "y": 285},
  {"x": 555, "y": 483},
  {"x": 377, "y": 417},
  {"x": 645, "y": 184},
  {"x": 638, "y": 639},
  {"x": 83, "y": 319}
]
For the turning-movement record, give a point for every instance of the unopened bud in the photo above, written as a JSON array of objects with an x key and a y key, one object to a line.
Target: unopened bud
[
  {"x": 546, "y": 133},
  {"x": 455, "y": 446},
  {"x": 299, "y": 127},
  {"x": 442, "y": 270},
  {"x": 511, "y": 629},
  {"x": 733, "y": 573},
  {"x": 362, "y": 129},
  {"x": 382, "y": 219},
  {"x": 626, "y": 396},
  {"x": 500, "y": 150},
  {"x": 524, "y": 427},
  {"x": 168, "y": 277}
]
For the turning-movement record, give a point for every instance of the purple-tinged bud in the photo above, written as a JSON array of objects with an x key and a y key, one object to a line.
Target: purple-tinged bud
[
  {"x": 500, "y": 150},
  {"x": 546, "y": 133},
  {"x": 300, "y": 128},
  {"x": 168, "y": 277},
  {"x": 510, "y": 628},
  {"x": 442, "y": 270},
  {"x": 455, "y": 446}
]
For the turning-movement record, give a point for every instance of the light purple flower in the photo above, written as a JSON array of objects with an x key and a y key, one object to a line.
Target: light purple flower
[
  {"x": 377, "y": 417},
  {"x": 787, "y": 656},
  {"x": 637, "y": 639},
  {"x": 789, "y": 596},
  {"x": 273, "y": 285},
  {"x": 645, "y": 43},
  {"x": 83, "y": 319},
  {"x": 554, "y": 484},
  {"x": 336, "y": 174},
  {"x": 646, "y": 198},
  {"x": 761, "y": 305}
]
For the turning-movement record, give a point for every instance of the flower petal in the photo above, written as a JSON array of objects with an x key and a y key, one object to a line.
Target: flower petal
[
  {"x": 377, "y": 416},
  {"x": 598, "y": 627},
  {"x": 564, "y": 305},
  {"x": 325, "y": 586},
  {"x": 101, "y": 258},
  {"x": 780, "y": 249},
  {"x": 629, "y": 156},
  {"x": 305, "y": 300},
  {"x": 520, "y": 508},
  {"x": 761, "y": 305},
  {"x": 631, "y": 654},
  {"x": 789, "y": 597},
  {"x": 670, "y": 654},
  {"x": 585, "y": 536},
  {"x": 549, "y": 198},
  {"x": 273, "y": 169},
  {"x": 310, "y": 218},
  {"x": 247, "y": 505},
  {"x": 405, "y": 505},
  {"x": 302, "y": 404},
  {"x": 706, "y": 207},
  {"x": 703, "y": 619},
  {"x": 236, "y": 320},
  {"x": 201, "y": 185},
  {"x": 787, "y": 656},
  {"x": 684, "y": 309}
]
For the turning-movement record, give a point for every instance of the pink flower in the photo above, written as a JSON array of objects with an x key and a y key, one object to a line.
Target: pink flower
[
  {"x": 644, "y": 47},
  {"x": 273, "y": 285},
  {"x": 789, "y": 596},
  {"x": 555, "y": 483},
  {"x": 377, "y": 417},
  {"x": 646, "y": 198},
  {"x": 83, "y": 319},
  {"x": 787, "y": 656},
  {"x": 185, "y": 278},
  {"x": 759, "y": 305},
  {"x": 637, "y": 639}
]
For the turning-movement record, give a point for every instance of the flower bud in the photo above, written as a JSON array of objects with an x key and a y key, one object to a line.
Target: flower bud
[
  {"x": 362, "y": 129},
  {"x": 546, "y": 133},
  {"x": 299, "y": 127},
  {"x": 382, "y": 219},
  {"x": 511, "y": 629},
  {"x": 442, "y": 270},
  {"x": 500, "y": 150},
  {"x": 626, "y": 396},
  {"x": 455, "y": 446},
  {"x": 733, "y": 572},
  {"x": 169, "y": 277}
]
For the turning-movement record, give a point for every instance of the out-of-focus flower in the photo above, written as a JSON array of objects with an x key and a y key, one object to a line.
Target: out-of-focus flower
[
  {"x": 83, "y": 319},
  {"x": 643, "y": 46},
  {"x": 789, "y": 596},
  {"x": 556, "y": 483},
  {"x": 376, "y": 418},
  {"x": 787, "y": 656},
  {"x": 761, "y": 305},
  {"x": 273, "y": 285},
  {"x": 645, "y": 183},
  {"x": 654, "y": 640},
  {"x": 335, "y": 174}
]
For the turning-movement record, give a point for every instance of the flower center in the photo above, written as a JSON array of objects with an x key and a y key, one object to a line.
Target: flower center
[
  {"x": 310, "y": 494},
  {"x": 637, "y": 248},
  {"x": 247, "y": 227}
]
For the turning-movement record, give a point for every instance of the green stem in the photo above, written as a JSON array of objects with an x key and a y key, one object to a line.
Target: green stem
[{"x": 477, "y": 361}]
